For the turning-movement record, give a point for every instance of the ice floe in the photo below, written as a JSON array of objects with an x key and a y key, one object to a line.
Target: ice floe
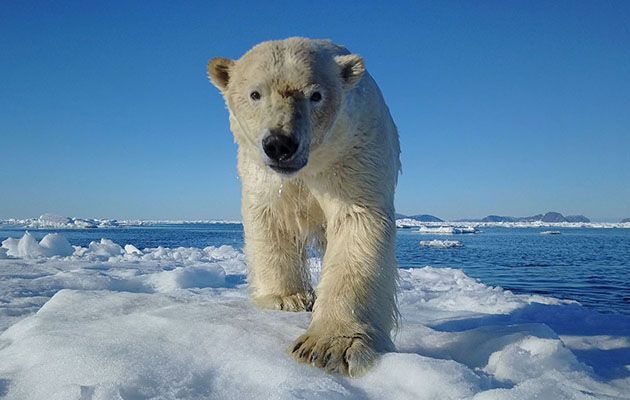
[
  {"x": 446, "y": 230},
  {"x": 441, "y": 244},
  {"x": 111, "y": 321}
]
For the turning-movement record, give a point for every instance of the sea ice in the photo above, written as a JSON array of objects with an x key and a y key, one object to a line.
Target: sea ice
[
  {"x": 131, "y": 249},
  {"x": 53, "y": 244},
  {"x": 117, "y": 322},
  {"x": 446, "y": 230},
  {"x": 441, "y": 244},
  {"x": 56, "y": 245}
]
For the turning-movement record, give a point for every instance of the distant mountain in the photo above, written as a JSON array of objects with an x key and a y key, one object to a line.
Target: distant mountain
[
  {"x": 551, "y": 216},
  {"x": 420, "y": 217},
  {"x": 577, "y": 218},
  {"x": 498, "y": 218},
  {"x": 426, "y": 218},
  {"x": 537, "y": 217},
  {"x": 625, "y": 220}
]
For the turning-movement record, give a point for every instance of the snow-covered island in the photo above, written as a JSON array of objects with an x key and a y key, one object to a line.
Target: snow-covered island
[{"x": 111, "y": 321}]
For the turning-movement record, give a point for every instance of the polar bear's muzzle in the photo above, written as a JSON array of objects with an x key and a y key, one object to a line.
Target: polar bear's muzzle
[{"x": 283, "y": 153}]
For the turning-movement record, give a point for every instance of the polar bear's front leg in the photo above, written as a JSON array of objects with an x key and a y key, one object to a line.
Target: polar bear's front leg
[
  {"x": 355, "y": 308},
  {"x": 276, "y": 259}
]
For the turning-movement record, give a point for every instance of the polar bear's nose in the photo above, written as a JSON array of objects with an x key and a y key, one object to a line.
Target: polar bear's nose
[{"x": 279, "y": 147}]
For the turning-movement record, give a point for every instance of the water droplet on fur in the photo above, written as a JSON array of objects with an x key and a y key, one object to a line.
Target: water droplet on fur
[{"x": 280, "y": 189}]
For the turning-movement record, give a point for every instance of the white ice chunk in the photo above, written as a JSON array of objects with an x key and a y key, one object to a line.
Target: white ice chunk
[
  {"x": 28, "y": 247},
  {"x": 440, "y": 244},
  {"x": 131, "y": 249},
  {"x": 56, "y": 245},
  {"x": 105, "y": 249},
  {"x": 25, "y": 247},
  {"x": 53, "y": 220},
  {"x": 446, "y": 230},
  {"x": 10, "y": 245}
]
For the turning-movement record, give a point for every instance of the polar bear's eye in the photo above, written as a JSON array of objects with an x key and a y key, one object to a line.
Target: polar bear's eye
[
  {"x": 316, "y": 96},
  {"x": 255, "y": 95}
]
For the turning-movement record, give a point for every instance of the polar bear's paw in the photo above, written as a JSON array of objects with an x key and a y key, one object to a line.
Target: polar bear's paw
[
  {"x": 295, "y": 302},
  {"x": 345, "y": 354}
]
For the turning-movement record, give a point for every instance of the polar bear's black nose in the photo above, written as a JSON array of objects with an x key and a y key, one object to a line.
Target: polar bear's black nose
[{"x": 279, "y": 147}]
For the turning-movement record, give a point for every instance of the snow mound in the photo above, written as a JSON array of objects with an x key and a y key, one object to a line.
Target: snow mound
[
  {"x": 190, "y": 277},
  {"x": 441, "y": 244},
  {"x": 56, "y": 245},
  {"x": 117, "y": 322},
  {"x": 448, "y": 289},
  {"x": 446, "y": 230}
]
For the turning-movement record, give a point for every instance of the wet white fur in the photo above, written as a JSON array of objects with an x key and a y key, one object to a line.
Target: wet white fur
[{"x": 342, "y": 200}]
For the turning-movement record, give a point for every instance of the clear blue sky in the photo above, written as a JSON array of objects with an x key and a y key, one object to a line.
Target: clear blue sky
[{"x": 503, "y": 107}]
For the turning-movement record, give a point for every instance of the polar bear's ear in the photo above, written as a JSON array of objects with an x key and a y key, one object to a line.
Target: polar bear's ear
[
  {"x": 219, "y": 72},
  {"x": 352, "y": 69}
]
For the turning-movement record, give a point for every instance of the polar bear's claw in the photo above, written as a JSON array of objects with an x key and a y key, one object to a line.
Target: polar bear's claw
[
  {"x": 348, "y": 354},
  {"x": 294, "y": 302}
]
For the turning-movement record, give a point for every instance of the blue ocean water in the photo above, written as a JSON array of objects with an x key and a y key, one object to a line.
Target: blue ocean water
[{"x": 591, "y": 266}]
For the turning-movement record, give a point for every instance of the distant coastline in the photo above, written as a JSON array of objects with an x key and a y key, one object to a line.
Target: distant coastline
[{"x": 550, "y": 219}]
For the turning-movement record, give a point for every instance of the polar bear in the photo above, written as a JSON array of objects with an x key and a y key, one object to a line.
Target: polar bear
[{"x": 318, "y": 158}]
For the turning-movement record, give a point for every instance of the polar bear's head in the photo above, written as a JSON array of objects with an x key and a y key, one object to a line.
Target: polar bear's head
[{"x": 284, "y": 97}]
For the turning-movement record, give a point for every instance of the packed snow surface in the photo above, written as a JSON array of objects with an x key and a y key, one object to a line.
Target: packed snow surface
[
  {"x": 441, "y": 244},
  {"x": 111, "y": 321}
]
